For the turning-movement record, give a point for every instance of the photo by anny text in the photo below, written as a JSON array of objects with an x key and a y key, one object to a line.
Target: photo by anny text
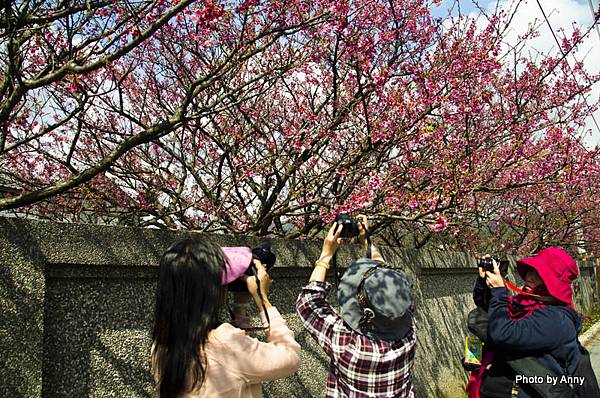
[{"x": 549, "y": 379}]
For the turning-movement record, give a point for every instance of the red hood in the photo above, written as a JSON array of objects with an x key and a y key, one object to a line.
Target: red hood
[{"x": 556, "y": 268}]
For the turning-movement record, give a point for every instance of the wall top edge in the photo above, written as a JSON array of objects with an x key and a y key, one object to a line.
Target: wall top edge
[{"x": 101, "y": 245}]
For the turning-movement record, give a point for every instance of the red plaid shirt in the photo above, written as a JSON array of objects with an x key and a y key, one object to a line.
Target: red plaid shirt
[{"x": 360, "y": 367}]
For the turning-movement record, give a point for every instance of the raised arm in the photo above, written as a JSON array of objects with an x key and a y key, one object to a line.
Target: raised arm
[
  {"x": 363, "y": 226},
  {"x": 330, "y": 245},
  {"x": 280, "y": 355},
  {"x": 316, "y": 314}
]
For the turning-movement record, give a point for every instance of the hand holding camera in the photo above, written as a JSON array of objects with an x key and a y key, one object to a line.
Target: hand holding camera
[
  {"x": 365, "y": 241},
  {"x": 346, "y": 226},
  {"x": 331, "y": 242},
  {"x": 363, "y": 226},
  {"x": 490, "y": 269},
  {"x": 349, "y": 225},
  {"x": 265, "y": 283},
  {"x": 246, "y": 275},
  {"x": 267, "y": 258}
]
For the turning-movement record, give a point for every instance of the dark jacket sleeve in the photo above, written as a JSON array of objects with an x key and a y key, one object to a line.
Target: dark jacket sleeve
[
  {"x": 543, "y": 330},
  {"x": 479, "y": 293}
]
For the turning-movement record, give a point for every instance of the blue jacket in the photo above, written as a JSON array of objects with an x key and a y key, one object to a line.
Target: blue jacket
[{"x": 549, "y": 333}]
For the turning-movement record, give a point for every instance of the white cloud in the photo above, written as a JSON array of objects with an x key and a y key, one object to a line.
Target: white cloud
[{"x": 563, "y": 14}]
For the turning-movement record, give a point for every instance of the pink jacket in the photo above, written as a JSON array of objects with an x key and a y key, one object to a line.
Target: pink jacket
[{"x": 237, "y": 363}]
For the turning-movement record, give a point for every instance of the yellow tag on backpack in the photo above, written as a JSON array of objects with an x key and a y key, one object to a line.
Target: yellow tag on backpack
[{"x": 473, "y": 350}]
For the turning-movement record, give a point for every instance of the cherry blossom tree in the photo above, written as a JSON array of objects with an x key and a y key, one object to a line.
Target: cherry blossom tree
[
  {"x": 268, "y": 118},
  {"x": 84, "y": 82}
]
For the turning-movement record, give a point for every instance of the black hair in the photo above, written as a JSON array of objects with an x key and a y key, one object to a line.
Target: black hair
[{"x": 188, "y": 300}]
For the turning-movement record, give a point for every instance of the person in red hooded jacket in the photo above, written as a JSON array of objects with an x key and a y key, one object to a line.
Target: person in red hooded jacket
[{"x": 538, "y": 321}]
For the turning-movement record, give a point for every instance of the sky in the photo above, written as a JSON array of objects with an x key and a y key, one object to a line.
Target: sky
[{"x": 561, "y": 14}]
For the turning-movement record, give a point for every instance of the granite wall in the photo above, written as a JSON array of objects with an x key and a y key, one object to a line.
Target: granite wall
[{"x": 76, "y": 306}]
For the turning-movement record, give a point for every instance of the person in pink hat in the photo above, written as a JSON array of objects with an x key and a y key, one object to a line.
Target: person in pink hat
[
  {"x": 538, "y": 323},
  {"x": 196, "y": 354}
]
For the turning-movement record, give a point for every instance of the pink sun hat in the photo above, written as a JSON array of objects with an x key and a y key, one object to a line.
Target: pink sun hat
[
  {"x": 557, "y": 269},
  {"x": 237, "y": 261}
]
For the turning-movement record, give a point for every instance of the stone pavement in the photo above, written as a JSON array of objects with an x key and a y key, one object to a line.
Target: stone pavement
[{"x": 591, "y": 341}]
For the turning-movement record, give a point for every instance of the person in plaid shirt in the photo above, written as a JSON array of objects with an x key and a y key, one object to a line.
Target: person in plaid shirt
[{"x": 371, "y": 343}]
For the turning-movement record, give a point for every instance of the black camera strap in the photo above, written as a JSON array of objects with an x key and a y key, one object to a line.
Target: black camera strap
[
  {"x": 334, "y": 268},
  {"x": 262, "y": 300}
]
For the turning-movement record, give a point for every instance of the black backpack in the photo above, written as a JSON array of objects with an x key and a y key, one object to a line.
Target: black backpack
[{"x": 590, "y": 387}]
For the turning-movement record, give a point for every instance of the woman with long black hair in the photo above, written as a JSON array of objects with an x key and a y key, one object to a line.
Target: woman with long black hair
[{"x": 194, "y": 354}]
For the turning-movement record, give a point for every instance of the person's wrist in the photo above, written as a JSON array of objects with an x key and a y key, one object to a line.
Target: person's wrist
[
  {"x": 267, "y": 303},
  {"x": 260, "y": 302},
  {"x": 496, "y": 283},
  {"x": 321, "y": 263},
  {"x": 325, "y": 257}
]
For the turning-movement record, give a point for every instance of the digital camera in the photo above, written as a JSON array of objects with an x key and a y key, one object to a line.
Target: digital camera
[
  {"x": 349, "y": 225},
  {"x": 488, "y": 265}
]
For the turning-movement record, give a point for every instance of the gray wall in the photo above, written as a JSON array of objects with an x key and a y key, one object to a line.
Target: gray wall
[{"x": 76, "y": 306}]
